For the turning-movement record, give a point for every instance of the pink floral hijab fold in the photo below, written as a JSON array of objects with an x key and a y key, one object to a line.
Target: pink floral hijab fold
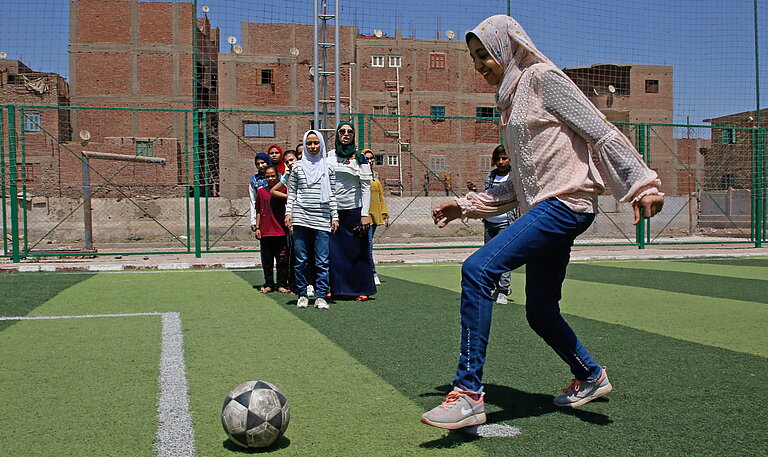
[{"x": 509, "y": 45}]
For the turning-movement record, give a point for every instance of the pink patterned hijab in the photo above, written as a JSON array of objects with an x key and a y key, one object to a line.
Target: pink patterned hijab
[{"x": 509, "y": 45}]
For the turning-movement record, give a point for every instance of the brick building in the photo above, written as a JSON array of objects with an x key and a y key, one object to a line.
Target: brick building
[
  {"x": 729, "y": 160},
  {"x": 636, "y": 94},
  {"x": 39, "y": 131},
  {"x": 380, "y": 76},
  {"x": 140, "y": 55},
  {"x": 128, "y": 53}
]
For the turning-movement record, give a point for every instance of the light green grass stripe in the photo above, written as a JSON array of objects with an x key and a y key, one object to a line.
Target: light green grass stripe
[
  {"x": 730, "y": 324},
  {"x": 232, "y": 334},
  {"x": 79, "y": 387},
  {"x": 713, "y": 269}
]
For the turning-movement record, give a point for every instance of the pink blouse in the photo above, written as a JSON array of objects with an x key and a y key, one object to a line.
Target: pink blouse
[{"x": 557, "y": 140}]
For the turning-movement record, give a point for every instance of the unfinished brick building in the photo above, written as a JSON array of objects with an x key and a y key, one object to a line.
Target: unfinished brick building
[
  {"x": 140, "y": 55},
  {"x": 39, "y": 131}
]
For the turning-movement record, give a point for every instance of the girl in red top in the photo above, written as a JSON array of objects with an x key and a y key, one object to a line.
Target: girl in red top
[{"x": 270, "y": 231}]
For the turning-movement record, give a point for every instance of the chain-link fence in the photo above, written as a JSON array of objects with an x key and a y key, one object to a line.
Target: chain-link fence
[{"x": 130, "y": 126}]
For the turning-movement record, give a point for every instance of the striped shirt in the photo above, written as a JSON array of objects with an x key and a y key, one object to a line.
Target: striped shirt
[{"x": 304, "y": 203}]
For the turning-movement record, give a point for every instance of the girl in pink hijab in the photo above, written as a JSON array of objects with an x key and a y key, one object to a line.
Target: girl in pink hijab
[{"x": 549, "y": 129}]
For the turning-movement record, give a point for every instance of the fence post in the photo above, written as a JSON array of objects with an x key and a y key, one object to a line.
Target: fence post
[
  {"x": 196, "y": 177},
  {"x": 3, "y": 196},
  {"x": 759, "y": 187},
  {"x": 640, "y": 140},
  {"x": 12, "y": 188},
  {"x": 360, "y": 134}
]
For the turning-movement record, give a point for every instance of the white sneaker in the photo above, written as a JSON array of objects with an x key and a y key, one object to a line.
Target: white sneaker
[
  {"x": 310, "y": 291},
  {"x": 302, "y": 303},
  {"x": 376, "y": 279},
  {"x": 320, "y": 303},
  {"x": 502, "y": 299}
]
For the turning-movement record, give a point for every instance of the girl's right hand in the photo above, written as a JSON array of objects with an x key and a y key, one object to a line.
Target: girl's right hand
[
  {"x": 445, "y": 212},
  {"x": 334, "y": 226},
  {"x": 289, "y": 222}
]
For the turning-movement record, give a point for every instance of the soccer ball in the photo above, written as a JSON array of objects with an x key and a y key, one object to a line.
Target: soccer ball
[{"x": 255, "y": 414}]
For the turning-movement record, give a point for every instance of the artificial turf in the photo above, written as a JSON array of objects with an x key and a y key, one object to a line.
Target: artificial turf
[{"x": 687, "y": 361}]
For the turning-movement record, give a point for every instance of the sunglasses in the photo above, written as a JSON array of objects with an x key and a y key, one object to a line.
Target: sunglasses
[{"x": 343, "y": 131}]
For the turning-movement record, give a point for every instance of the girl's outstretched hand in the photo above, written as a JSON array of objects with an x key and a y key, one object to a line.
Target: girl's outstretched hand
[
  {"x": 650, "y": 204},
  {"x": 445, "y": 212}
]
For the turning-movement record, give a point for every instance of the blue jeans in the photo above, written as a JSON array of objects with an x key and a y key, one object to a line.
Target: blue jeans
[
  {"x": 371, "y": 232},
  {"x": 491, "y": 229},
  {"x": 306, "y": 239},
  {"x": 541, "y": 239}
]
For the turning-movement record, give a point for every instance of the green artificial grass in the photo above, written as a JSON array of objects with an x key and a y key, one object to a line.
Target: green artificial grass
[
  {"x": 671, "y": 395},
  {"x": 687, "y": 360},
  {"x": 21, "y": 294},
  {"x": 79, "y": 387}
]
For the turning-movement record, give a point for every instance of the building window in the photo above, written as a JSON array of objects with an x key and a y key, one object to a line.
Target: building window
[
  {"x": 377, "y": 61},
  {"x": 266, "y": 77},
  {"x": 392, "y": 109},
  {"x": 27, "y": 172},
  {"x": 32, "y": 123},
  {"x": 651, "y": 86},
  {"x": 486, "y": 113},
  {"x": 395, "y": 61},
  {"x": 437, "y": 163},
  {"x": 484, "y": 163},
  {"x": 728, "y": 181},
  {"x": 378, "y": 109},
  {"x": 378, "y": 159},
  {"x": 258, "y": 129},
  {"x": 393, "y": 160},
  {"x": 437, "y": 60},
  {"x": 437, "y": 112},
  {"x": 145, "y": 148},
  {"x": 728, "y": 136}
]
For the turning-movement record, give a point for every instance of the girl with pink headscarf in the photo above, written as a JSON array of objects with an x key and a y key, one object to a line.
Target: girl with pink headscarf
[{"x": 562, "y": 153}]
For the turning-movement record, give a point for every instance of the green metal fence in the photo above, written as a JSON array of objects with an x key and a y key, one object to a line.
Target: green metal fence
[{"x": 182, "y": 187}]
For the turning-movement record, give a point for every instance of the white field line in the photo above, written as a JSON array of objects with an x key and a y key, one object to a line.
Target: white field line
[{"x": 175, "y": 437}]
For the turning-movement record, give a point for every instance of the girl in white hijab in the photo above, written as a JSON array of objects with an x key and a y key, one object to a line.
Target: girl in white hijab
[
  {"x": 549, "y": 129},
  {"x": 311, "y": 214}
]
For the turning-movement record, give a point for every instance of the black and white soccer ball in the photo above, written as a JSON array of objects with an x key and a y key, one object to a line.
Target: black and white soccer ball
[{"x": 255, "y": 414}]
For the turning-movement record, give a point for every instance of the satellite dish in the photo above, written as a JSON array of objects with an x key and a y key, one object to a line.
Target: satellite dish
[
  {"x": 232, "y": 40},
  {"x": 294, "y": 52},
  {"x": 312, "y": 72},
  {"x": 378, "y": 33},
  {"x": 450, "y": 34},
  {"x": 595, "y": 91},
  {"x": 3, "y": 55},
  {"x": 611, "y": 89},
  {"x": 237, "y": 49},
  {"x": 85, "y": 135},
  {"x": 206, "y": 9}
]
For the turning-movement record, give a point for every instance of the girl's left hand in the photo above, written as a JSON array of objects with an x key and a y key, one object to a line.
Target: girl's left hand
[
  {"x": 650, "y": 204},
  {"x": 365, "y": 223},
  {"x": 334, "y": 226}
]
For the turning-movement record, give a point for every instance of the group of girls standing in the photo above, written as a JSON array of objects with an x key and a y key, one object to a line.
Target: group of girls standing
[{"x": 328, "y": 200}]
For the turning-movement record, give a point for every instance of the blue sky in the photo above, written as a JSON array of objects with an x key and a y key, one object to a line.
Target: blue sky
[{"x": 710, "y": 44}]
